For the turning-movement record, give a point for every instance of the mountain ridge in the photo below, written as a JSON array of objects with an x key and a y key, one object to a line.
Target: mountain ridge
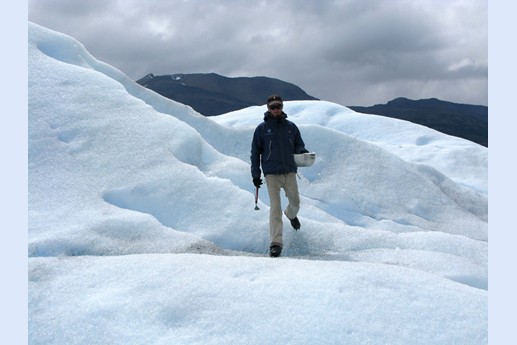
[
  {"x": 211, "y": 94},
  {"x": 461, "y": 120}
]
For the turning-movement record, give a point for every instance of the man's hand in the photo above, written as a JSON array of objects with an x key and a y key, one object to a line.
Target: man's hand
[{"x": 257, "y": 181}]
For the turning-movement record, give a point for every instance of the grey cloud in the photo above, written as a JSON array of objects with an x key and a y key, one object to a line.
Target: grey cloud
[{"x": 353, "y": 52}]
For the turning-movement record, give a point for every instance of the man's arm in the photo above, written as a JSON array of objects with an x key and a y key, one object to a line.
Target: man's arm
[
  {"x": 299, "y": 145},
  {"x": 256, "y": 151}
]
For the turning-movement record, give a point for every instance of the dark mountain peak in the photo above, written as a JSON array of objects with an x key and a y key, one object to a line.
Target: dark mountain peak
[
  {"x": 403, "y": 101},
  {"x": 462, "y": 120},
  {"x": 214, "y": 94},
  {"x": 429, "y": 102},
  {"x": 398, "y": 101},
  {"x": 143, "y": 81}
]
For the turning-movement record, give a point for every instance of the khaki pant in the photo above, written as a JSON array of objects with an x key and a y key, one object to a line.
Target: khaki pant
[{"x": 274, "y": 184}]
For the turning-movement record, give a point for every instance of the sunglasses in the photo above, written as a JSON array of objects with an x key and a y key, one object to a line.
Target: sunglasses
[{"x": 275, "y": 106}]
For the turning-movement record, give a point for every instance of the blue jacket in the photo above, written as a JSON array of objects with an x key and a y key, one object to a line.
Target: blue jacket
[{"x": 274, "y": 143}]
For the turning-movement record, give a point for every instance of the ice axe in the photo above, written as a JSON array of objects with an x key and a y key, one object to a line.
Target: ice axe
[{"x": 256, "y": 198}]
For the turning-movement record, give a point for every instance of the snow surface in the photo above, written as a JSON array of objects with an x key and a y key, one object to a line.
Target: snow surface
[{"x": 142, "y": 228}]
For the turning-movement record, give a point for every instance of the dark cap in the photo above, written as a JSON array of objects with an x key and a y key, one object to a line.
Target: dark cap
[{"x": 274, "y": 99}]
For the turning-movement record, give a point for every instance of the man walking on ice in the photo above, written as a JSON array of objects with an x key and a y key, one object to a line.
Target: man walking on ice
[{"x": 275, "y": 141}]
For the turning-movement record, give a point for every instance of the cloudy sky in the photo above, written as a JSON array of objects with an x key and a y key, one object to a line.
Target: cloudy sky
[{"x": 352, "y": 52}]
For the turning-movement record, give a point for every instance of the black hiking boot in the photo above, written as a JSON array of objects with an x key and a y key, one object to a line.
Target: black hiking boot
[
  {"x": 295, "y": 223},
  {"x": 275, "y": 250}
]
